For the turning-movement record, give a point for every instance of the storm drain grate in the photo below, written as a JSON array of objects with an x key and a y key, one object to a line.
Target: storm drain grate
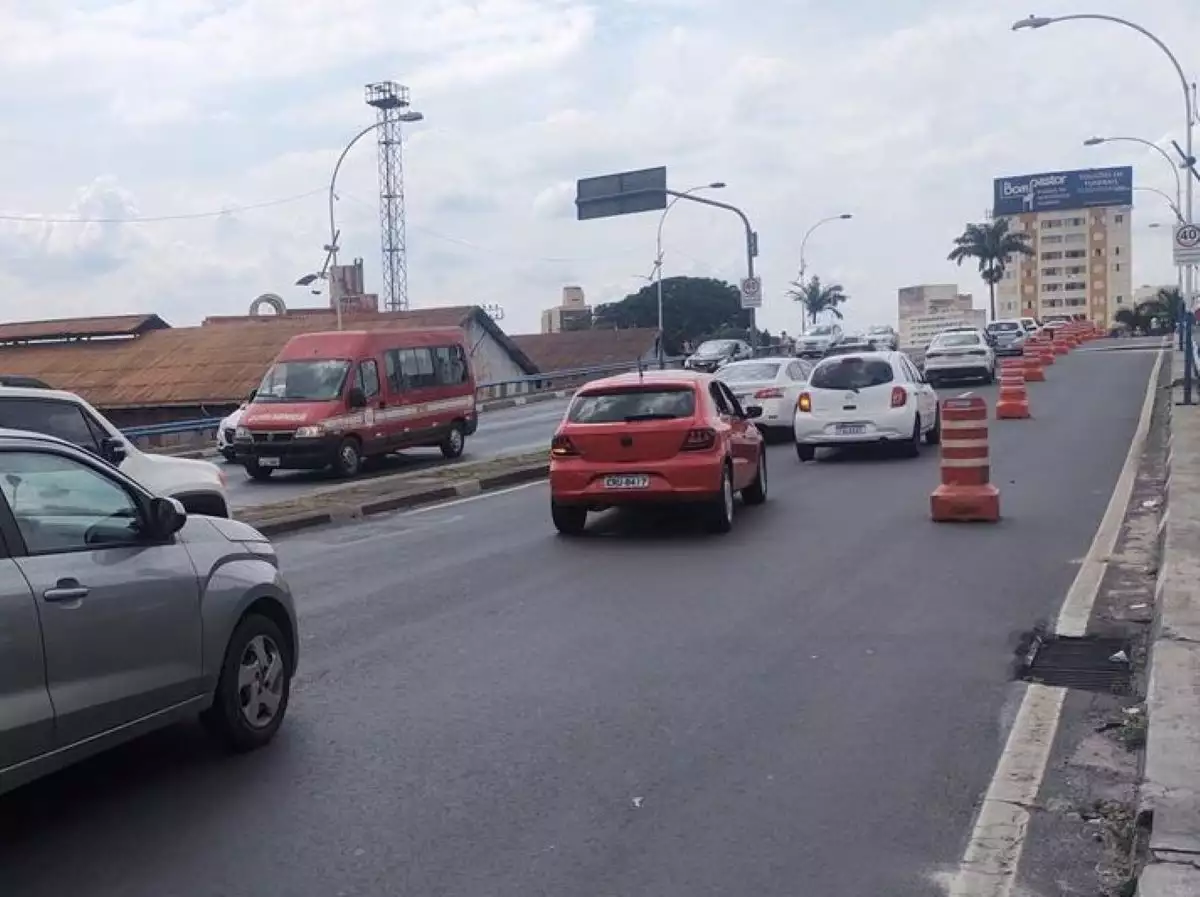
[{"x": 1084, "y": 663}]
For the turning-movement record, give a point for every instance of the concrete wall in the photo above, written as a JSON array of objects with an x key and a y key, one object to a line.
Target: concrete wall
[{"x": 489, "y": 360}]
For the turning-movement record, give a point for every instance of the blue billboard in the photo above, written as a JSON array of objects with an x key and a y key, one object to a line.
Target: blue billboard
[{"x": 1058, "y": 191}]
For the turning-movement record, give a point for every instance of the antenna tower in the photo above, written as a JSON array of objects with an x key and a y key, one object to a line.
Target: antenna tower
[{"x": 390, "y": 101}]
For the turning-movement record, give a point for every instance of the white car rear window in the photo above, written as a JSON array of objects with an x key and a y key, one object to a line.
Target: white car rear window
[
  {"x": 956, "y": 339},
  {"x": 745, "y": 373},
  {"x": 851, "y": 372}
]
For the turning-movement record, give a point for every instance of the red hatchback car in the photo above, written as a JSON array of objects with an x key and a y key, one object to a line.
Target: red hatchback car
[{"x": 660, "y": 437}]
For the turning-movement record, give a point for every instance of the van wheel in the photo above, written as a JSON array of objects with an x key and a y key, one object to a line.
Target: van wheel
[
  {"x": 570, "y": 520},
  {"x": 454, "y": 443},
  {"x": 256, "y": 471},
  {"x": 720, "y": 511},
  {"x": 254, "y": 686},
  {"x": 349, "y": 458}
]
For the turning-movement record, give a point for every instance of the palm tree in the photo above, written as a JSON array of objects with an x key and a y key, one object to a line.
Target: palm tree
[
  {"x": 993, "y": 244},
  {"x": 1171, "y": 300},
  {"x": 817, "y": 297}
]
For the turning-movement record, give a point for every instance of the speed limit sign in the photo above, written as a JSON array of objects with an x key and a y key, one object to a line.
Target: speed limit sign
[
  {"x": 1187, "y": 244},
  {"x": 751, "y": 290}
]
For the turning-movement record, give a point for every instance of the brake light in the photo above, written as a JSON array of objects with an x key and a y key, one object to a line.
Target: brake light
[
  {"x": 563, "y": 447},
  {"x": 772, "y": 392},
  {"x": 899, "y": 396},
  {"x": 699, "y": 439},
  {"x": 804, "y": 403}
]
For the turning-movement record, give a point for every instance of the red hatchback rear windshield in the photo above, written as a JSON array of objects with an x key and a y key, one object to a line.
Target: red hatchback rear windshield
[{"x": 650, "y": 403}]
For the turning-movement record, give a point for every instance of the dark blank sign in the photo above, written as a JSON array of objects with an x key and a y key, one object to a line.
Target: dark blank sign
[{"x": 625, "y": 193}]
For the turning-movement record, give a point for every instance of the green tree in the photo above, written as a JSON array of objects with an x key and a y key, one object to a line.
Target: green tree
[
  {"x": 1166, "y": 306},
  {"x": 693, "y": 308},
  {"x": 992, "y": 244},
  {"x": 817, "y": 297}
]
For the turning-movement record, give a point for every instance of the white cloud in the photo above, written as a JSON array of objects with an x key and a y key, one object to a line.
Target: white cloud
[{"x": 900, "y": 112}]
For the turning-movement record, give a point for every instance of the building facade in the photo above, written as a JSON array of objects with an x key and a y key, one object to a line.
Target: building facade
[
  {"x": 1079, "y": 228},
  {"x": 573, "y": 314},
  {"x": 927, "y": 309}
]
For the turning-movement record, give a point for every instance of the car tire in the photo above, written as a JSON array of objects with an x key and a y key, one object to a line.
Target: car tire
[
  {"x": 228, "y": 454},
  {"x": 990, "y": 376},
  {"x": 756, "y": 492},
  {"x": 720, "y": 510},
  {"x": 805, "y": 452},
  {"x": 934, "y": 436},
  {"x": 256, "y": 471},
  {"x": 569, "y": 520},
  {"x": 454, "y": 443},
  {"x": 255, "y": 646},
  {"x": 911, "y": 448},
  {"x": 348, "y": 461}
]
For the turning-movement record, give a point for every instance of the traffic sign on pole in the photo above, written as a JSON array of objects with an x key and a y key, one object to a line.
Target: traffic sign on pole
[
  {"x": 624, "y": 193},
  {"x": 751, "y": 289},
  {"x": 1187, "y": 244}
]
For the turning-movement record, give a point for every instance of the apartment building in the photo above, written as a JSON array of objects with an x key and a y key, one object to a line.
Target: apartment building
[
  {"x": 1079, "y": 227},
  {"x": 925, "y": 310},
  {"x": 573, "y": 314}
]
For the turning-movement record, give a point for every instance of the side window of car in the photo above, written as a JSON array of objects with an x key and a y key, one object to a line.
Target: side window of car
[
  {"x": 63, "y": 505},
  {"x": 795, "y": 371},
  {"x": 51, "y": 417},
  {"x": 368, "y": 378},
  {"x": 731, "y": 401},
  {"x": 718, "y": 397}
]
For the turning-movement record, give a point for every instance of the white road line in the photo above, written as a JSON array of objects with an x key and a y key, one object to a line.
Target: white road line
[
  {"x": 993, "y": 856},
  {"x": 480, "y": 497},
  {"x": 965, "y": 395}
]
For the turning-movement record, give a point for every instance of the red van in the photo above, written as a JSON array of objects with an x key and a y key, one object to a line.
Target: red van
[{"x": 333, "y": 399}]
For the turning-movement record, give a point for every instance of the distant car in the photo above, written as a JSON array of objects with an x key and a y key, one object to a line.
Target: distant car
[
  {"x": 884, "y": 337},
  {"x": 120, "y": 614},
  {"x": 713, "y": 354},
  {"x": 666, "y": 437},
  {"x": 227, "y": 433},
  {"x": 850, "y": 345},
  {"x": 198, "y": 485},
  {"x": 772, "y": 384},
  {"x": 1031, "y": 325},
  {"x": 818, "y": 340},
  {"x": 960, "y": 354},
  {"x": 868, "y": 398},
  {"x": 1008, "y": 337}
]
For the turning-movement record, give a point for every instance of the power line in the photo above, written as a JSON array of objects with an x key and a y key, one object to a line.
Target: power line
[{"x": 149, "y": 219}]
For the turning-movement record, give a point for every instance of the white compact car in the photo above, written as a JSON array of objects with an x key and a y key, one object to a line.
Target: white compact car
[
  {"x": 773, "y": 384},
  {"x": 818, "y": 340},
  {"x": 960, "y": 354},
  {"x": 198, "y": 485},
  {"x": 226, "y": 432},
  {"x": 870, "y": 398}
]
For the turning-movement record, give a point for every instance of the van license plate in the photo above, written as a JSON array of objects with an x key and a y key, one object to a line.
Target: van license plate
[
  {"x": 627, "y": 481},
  {"x": 850, "y": 429},
  {"x": 268, "y": 462}
]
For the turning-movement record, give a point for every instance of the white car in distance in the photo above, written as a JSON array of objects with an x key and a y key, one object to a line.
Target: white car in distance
[
  {"x": 960, "y": 354},
  {"x": 227, "y": 430},
  {"x": 867, "y": 399},
  {"x": 773, "y": 384}
]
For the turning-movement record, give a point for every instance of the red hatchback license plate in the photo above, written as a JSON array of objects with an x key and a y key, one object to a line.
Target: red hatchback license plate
[{"x": 627, "y": 481}]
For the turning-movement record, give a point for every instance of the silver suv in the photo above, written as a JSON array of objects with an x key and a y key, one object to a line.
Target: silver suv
[{"x": 120, "y": 614}]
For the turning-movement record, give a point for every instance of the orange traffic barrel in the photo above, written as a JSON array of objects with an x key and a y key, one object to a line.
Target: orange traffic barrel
[
  {"x": 1013, "y": 403},
  {"x": 1031, "y": 362},
  {"x": 1045, "y": 351},
  {"x": 966, "y": 492}
]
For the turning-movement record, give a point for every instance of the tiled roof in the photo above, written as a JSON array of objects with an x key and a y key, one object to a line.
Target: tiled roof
[
  {"x": 81, "y": 328},
  {"x": 217, "y": 363},
  {"x": 585, "y": 348}
]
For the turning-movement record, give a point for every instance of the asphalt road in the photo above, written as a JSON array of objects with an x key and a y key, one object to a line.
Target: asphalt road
[
  {"x": 511, "y": 431},
  {"x": 811, "y": 705}
]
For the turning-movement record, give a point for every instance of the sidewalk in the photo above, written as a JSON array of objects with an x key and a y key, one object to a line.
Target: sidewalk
[{"x": 1171, "y": 777}]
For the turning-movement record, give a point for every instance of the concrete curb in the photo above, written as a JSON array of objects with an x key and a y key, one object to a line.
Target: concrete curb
[
  {"x": 1171, "y": 772},
  {"x": 397, "y": 501}
]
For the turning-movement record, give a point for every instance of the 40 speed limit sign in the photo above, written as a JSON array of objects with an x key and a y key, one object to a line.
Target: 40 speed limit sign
[{"x": 1187, "y": 244}]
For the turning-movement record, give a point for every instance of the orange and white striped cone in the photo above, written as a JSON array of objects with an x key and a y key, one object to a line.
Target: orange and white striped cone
[
  {"x": 1013, "y": 403},
  {"x": 1031, "y": 361},
  {"x": 966, "y": 493},
  {"x": 1046, "y": 353}
]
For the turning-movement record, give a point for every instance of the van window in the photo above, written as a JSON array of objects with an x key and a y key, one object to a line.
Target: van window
[
  {"x": 411, "y": 369},
  {"x": 367, "y": 378},
  {"x": 451, "y": 363}
]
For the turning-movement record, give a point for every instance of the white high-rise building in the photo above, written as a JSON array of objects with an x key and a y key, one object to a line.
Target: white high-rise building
[{"x": 926, "y": 310}]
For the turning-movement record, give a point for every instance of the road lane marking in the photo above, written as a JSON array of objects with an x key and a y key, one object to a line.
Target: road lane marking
[
  {"x": 480, "y": 497},
  {"x": 992, "y": 859}
]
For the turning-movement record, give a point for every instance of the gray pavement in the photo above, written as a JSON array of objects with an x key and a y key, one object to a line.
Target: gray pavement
[
  {"x": 811, "y": 705},
  {"x": 510, "y": 431}
]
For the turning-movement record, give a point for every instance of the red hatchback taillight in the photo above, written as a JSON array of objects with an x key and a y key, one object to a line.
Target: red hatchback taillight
[
  {"x": 699, "y": 439},
  {"x": 563, "y": 447},
  {"x": 773, "y": 392},
  {"x": 899, "y": 396}
]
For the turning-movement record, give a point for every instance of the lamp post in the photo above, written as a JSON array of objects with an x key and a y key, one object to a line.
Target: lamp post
[
  {"x": 1096, "y": 141},
  {"x": 332, "y": 247},
  {"x": 845, "y": 216},
  {"x": 1175, "y": 210},
  {"x": 658, "y": 256},
  {"x": 1189, "y": 112}
]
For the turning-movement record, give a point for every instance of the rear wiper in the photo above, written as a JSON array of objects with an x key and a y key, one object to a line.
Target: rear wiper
[{"x": 649, "y": 416}]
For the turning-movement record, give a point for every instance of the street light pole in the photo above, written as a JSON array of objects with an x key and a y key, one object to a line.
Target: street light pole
[
  {"x": 845, "y": 216},
  {"x": 1175, "y": 210},
  {"x": 1189, "y": 128},
  {"x": 1096, "y": 141},
  {"x": 658, "y": 257}
]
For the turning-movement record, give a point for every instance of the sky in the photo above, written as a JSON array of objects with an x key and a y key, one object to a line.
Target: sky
[{"x": 226, "y": 117}]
